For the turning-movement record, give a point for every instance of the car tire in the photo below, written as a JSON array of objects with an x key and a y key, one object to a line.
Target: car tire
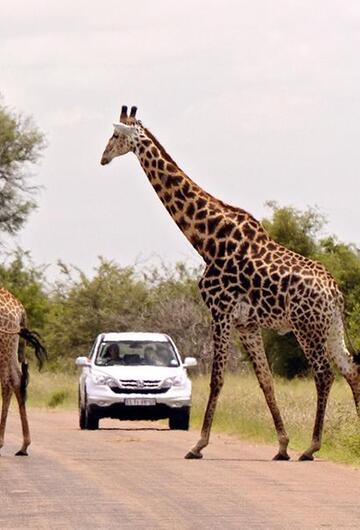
[
  {"x": 82, "y": 419},
  {"x": 180, "y": 419},
  {"x": 87, "y": 419},
  {"x": 82, "y": 414},
  {"x": 92, "y": 421}
]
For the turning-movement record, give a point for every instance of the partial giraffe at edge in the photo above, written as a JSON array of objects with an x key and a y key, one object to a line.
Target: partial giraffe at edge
[
  {"x": 13, "y": 366},
  {"x": 250, "y": 283}
]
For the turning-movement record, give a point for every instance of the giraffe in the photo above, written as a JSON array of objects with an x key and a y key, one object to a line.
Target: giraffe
[
  {"x": 13, "y": 366},
  {"x": 250, "y": 283}
]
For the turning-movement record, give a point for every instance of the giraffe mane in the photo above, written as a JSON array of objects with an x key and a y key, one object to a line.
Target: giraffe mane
[
  {"x": 214, "y": 200},
  {"x": 164, "y": 154}
]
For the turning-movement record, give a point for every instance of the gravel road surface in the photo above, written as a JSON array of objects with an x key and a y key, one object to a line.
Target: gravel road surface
[{"x": 133, "y": 476}]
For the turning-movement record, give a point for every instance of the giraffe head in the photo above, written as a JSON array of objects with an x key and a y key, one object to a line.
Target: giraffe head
[{"x": 122, "y": 141}]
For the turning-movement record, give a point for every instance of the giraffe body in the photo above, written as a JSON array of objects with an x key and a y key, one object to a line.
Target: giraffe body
[
  {"x": 250, "y": 282},
  {"x": 13, "y": 375},
  {"x": 12, "y": 318}
]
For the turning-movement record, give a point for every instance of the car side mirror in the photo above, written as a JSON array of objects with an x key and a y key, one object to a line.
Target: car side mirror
[
  {"x": 82, "y": 362},
  {"x": 189, "y": 362}
]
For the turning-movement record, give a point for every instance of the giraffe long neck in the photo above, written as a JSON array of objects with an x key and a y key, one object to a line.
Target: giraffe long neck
[{"x": 212, "y": 227}]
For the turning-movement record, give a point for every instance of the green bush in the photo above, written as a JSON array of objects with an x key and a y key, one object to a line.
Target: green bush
[{"x": 57, "y": 398}]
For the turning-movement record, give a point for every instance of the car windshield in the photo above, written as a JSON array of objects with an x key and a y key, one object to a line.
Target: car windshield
[{"x": 136, "y": 353}]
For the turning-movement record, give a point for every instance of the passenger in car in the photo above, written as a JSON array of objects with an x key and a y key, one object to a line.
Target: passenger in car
[
  {"x": 150, "y": 356},
  {"x": 163, "y": 356}
]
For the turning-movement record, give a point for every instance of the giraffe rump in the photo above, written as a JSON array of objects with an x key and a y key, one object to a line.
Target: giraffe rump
[{"x": 32, "y": 338}]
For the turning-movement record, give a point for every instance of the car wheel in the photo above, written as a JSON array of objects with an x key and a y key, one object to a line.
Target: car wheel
[
  {"x": 180, "y": 419},
  {"x": 82, "y": 419},
  {"x": 92, "y": 421},
  {"x": 82, "y": 414}
]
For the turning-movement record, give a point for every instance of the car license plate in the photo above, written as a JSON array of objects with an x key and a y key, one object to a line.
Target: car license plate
[{"x": 140, "y": 402}]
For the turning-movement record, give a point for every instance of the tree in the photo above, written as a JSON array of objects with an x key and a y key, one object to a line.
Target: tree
[
  {"x": 296, "y": 230},
  {"x": 176, "y": 308},
  {"x": 21, "y": 144},
  {"x": 82, "y": 307},
  {"x": 26, "y": 281}
]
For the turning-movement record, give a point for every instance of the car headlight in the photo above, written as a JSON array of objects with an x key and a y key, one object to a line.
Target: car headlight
[
  {"x": 102, "y": 379},
  {"x": 177, "y": 380}
]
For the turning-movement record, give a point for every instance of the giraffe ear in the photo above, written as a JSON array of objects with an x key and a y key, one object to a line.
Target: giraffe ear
[{"x": 124, "y": 129}]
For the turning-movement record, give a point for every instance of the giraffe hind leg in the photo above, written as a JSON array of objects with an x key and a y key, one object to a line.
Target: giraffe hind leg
[
  {"x": 24, "y": 424},
  {"x": 324, "y": 378},
  {"x": 323, "y": 382},
  {"x": 345, "y": 363},
  {"x": 6, "y": 392},
  {"x": 20, "y": 393}
]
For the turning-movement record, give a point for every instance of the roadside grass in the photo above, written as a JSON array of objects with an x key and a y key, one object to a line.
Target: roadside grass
[
  {"x": 242, "y": 410},
  {"x": 50, "y": 390}
]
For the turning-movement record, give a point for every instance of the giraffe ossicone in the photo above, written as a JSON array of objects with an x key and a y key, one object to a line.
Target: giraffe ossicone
[{"x": 250, "y": 283}]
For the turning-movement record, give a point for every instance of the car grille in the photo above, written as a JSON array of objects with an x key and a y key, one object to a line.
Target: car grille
[
  {"x": 119, "y": 390},
  {"x": 136, "y": 386},
  {"x": 143, "y": 383}
]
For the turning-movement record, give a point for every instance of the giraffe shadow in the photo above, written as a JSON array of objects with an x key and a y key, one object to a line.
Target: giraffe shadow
[
  {"x": 294, "y": 460},
  {"x": 236, "y": 460},
  {"x": 131, "y": 429}
]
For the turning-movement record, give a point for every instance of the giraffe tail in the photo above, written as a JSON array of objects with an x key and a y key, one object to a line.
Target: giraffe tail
[
  {"x": 33, "y": 339},
  {"x": 24, "y": 381},
  {"x": 356, "y": 357},
  {"x": 355, "y": 354}
]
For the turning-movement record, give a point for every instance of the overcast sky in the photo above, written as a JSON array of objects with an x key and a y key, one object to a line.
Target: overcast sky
[{"x": 255, "y": 100}]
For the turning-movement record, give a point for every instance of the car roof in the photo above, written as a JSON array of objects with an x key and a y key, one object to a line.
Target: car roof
[{"x": 135, "y": 335}]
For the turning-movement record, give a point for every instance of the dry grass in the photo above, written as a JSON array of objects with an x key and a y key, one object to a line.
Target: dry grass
[
  {"x": 242, "y": 411},
  {"x": 51, "y": 390}
]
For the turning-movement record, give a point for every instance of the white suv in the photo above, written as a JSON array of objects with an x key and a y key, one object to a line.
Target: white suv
[{"x": 134, "y": 376}]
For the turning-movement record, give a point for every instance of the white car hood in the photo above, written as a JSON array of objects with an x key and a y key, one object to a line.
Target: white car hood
[{"x": 139, "y": 372}]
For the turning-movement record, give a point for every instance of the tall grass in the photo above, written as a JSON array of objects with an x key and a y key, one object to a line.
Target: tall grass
[
  {"x": 47, "y": 389},
  {"x": 242, "y": 411}
]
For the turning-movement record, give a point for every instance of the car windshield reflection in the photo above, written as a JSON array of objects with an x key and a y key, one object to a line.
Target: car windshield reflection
[{"x": 136, "y": 353}]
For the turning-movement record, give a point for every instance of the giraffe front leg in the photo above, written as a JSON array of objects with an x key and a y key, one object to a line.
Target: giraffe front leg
[
  {"x": 221, "y": 334},
  {"x": 24, "y": 424},
  {"x": 6, "y": 398},
  {"x": 251, "y": 340}
]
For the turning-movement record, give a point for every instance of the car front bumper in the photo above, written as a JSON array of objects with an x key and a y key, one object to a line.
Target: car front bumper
[
  {"x": 123, "y": 412},
  {"x": 104, "y": 402}
]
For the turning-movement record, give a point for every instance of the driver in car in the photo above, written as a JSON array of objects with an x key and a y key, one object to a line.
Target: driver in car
[{"x": 113, "y": 353}]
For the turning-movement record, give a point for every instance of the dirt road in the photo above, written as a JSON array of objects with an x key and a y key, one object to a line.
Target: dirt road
[{"x": 133, "y": 476}]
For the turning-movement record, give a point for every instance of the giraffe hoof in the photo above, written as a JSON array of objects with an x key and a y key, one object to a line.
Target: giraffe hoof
[
  {"x": 22, "y": 453},
  {"x": 193, "y": 456},
  {"x": 281, "y": 457},
  {"x": 306, "y": 458}
]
